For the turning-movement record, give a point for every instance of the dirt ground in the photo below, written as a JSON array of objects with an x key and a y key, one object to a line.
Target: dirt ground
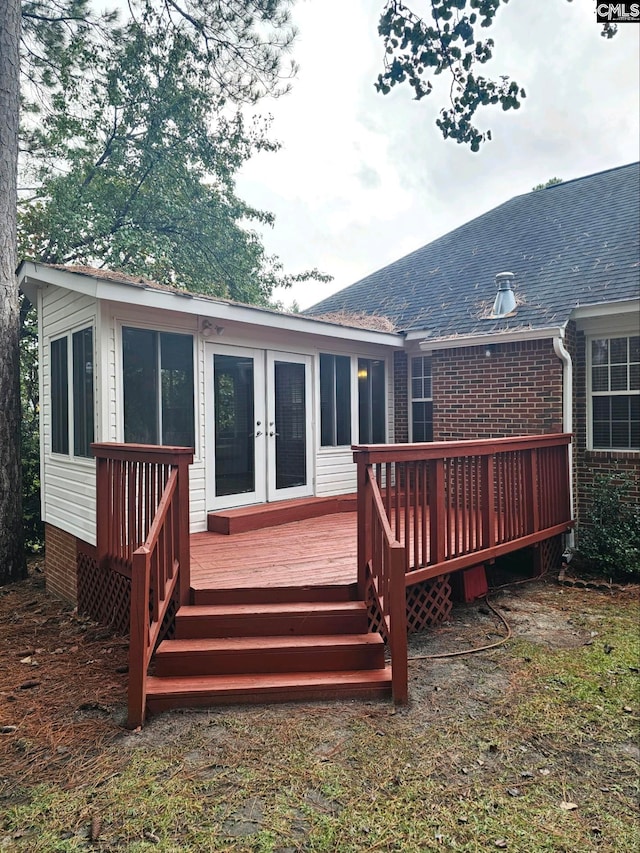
[
  {"x": 63, "y": 678},
  {"x": 63, "y": 687}
]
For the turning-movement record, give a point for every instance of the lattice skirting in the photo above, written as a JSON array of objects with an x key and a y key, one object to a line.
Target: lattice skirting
[
  {"x": 550, "y": 558},
  {"x": 428, "y": 603},
  {"x": 103, "y": 595}
]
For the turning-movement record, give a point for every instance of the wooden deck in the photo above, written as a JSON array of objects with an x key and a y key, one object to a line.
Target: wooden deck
[
  {"x": 313, "y": 552},
  {"x": 287, "y": 612}
]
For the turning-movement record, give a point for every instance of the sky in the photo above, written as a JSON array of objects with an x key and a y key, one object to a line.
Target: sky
[{"x": 362, "y": 179}]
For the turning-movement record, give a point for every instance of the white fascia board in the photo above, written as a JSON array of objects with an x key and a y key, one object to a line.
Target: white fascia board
[
  {"x": 196, "y": 304},
  {"x": 606, "y": 309},
  {"x": 506, "y": 337}
]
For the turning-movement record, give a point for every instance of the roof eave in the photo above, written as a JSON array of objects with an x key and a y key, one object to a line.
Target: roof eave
[
  {"x": 32, "y": 275},
  {"x": 486, "y": 338}
]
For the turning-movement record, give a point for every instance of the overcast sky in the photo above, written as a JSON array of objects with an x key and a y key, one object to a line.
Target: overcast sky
[{"x": 362, "y": 179}]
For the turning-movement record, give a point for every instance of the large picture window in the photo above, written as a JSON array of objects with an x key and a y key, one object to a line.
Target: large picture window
[
  {"x": 80, "y": 414},
  {"x": 615, "y": 393},
  {"x": 158, "y": 387},
  {"x": 335, "y": 400},
  {"x": 421, "y": 399},
  {"x": 371, "y": 401}
]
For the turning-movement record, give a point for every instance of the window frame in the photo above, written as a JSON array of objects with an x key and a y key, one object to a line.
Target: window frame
[
  {"x": 71, "y": 420},
  {"x": 334, "y": 444},
  {"x": 411, "y": 399},
  {"x": 158, "y": 330},
  {"x": 608, "y": 335},
  {"x": 385, "y": 390},
  {"x": 59, "y": 409}
]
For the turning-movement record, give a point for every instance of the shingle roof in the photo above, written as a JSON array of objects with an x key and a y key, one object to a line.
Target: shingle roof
[{"x": 575, "y": 243}]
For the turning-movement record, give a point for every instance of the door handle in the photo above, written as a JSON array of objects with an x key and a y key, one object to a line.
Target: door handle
[
  {"x": 259, "y": 433},
  {"x": 274, "y": 433}
]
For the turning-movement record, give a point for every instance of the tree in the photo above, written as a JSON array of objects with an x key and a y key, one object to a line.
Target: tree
[
  {"x": 231, "y": 51},
  {"x": 136, "y": 172},
  {"x": 12, "y": 561},
  {"x": 445, "y": 42},
  {"x": 552, "y": 182}
]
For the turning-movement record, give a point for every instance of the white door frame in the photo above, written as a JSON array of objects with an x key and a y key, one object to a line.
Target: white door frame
[
  {"x": 264, "y": 411},
  {"x": 274, "y": 494},
  {"x": 215, "y": 501}
]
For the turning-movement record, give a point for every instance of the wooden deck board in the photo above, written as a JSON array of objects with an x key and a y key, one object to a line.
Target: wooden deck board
[{"x": 313, "y": 552}]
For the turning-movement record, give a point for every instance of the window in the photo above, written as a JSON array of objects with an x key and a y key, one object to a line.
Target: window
[
  {"x": 615, "y": 393},
  {"x": 371, "y": 401},
  {"x": 421, "y": 399},
  {"x": 59, "y": 396},
  {"x": 83, "y": 407},
  {"x": 335, "y": 400},
  {"x": 82, "y": 397},
  {"x": 158, "y": 387}
]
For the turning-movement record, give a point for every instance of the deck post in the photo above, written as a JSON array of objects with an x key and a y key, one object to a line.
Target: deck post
[
  {"x": 534, "y": 491},
  {"x": 102, "y": 509},
  {"x": 184, "y": 549},
  {"x": 138, "y": 638},
  {"x": 364, "y": 525},
  {"x": 438, "y": 508},
  {"x": 489, "y": 514},
  {"x": 398, "y": 625}
]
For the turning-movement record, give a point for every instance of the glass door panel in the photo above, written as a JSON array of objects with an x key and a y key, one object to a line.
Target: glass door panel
[
  {"x": 238, "y": 428},
  {"x": 289, "y": 427},
  {"x": 290, "y": 412}
]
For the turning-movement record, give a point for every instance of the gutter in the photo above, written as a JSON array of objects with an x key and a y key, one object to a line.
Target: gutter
[
  {"x": 567, "y": 416},
  {"x": 483, "y": 339}
]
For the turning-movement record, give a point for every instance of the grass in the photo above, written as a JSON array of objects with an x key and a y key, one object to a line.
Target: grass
[{"x": 362, "y": 777}]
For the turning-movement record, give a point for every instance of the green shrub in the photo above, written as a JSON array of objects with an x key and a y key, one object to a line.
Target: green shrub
[{"x": 609, "y": 541}]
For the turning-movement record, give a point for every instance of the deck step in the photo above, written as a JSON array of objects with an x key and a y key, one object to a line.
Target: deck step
[
  {"x": 275, "y": 594},
  {"x": 189, "y": 692},
  {"x": 273, "y": 619},
  {"x": 243, "y": 655},
  {"x": 258, "y": 516}
]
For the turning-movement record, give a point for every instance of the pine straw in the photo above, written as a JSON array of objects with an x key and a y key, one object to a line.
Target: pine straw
[
  {"x": 59, "y": 731},
  {"x": 358, "y": 320}
]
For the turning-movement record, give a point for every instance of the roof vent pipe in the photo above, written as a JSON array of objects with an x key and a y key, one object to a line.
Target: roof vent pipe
[{"x": 505, "y": 302}]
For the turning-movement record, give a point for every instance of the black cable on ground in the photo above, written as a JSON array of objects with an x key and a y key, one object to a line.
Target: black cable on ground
[{"x": 495, "y": 645}]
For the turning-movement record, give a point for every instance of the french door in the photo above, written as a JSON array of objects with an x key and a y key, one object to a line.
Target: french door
[{"x": 260, "y": 425}]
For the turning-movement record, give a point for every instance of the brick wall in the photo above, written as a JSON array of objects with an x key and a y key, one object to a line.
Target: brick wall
[
  {"x": 400, "y": 395},
  {"x": 516, "y": 390},
  {"x": 60, "y": 563},
  {"x": 589, "y": 463}
]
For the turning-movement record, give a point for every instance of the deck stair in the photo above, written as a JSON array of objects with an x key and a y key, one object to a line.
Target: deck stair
[
  {"x": 259, "y": 516},
  {"x": 257, "y": 645}
]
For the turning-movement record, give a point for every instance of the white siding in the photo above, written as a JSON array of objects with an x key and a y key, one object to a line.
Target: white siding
[
  {"x": 68, "y": 483},
  {"x": 335, "y": 471}
]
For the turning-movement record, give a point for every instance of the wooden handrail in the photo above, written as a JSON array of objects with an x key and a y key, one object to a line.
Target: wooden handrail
[
  {"x": 448, "y": 449},
  {"x": 385, "y": 574},
  {"x": 154, "y": 576},
  {"x": 440, "y": 507},
  {"x": 143, "y": 533}
]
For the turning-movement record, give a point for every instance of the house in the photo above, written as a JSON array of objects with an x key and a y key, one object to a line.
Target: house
[
  {"x": 270, "y": 404},
  {"x": 127, "y": 360},
  {"x": 565, "y": 354}
]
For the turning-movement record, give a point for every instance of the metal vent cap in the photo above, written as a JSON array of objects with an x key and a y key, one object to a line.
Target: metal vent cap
[{"x": 505, "y": 301}]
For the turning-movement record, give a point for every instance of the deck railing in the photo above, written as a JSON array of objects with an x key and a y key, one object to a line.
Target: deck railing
[
  {"x": 143, "y": 532},
  {"x": 439, "y": 507}
]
